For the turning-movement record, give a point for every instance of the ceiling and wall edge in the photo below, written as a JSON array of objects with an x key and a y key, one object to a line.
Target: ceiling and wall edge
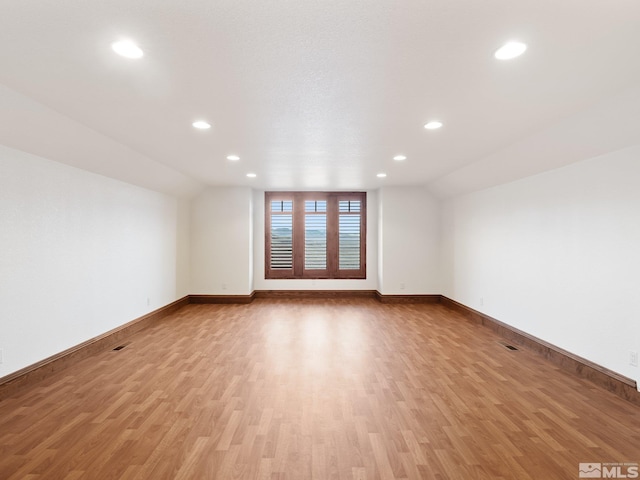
[
  {"x": 34, "y": 128},
  {"x": 601, "y": 128}
]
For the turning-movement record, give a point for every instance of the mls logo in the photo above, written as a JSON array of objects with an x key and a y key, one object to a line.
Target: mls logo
[
  {"x": 590, "y": 470},
  {"x": 608, "y": 470}
]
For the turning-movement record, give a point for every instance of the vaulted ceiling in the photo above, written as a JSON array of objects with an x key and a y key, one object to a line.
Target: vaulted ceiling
[{"x": 319, "y": 94}]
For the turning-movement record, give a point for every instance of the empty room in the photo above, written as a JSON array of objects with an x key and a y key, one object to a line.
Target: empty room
[{"x": 363, "y": 240}]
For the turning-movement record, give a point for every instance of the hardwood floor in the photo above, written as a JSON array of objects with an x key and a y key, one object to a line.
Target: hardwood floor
[{"x": 313, "y": 389}]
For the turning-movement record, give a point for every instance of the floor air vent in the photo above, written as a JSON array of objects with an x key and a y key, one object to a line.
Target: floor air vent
[
  {"x": 507, "y": 346},
  {"x": 119, "y": 347}
]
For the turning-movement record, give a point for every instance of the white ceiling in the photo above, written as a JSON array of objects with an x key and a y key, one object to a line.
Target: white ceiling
[{"x": 319, "y": 94}]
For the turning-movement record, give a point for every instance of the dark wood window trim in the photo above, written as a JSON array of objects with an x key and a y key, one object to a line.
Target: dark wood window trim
[{"x": 297, "y": 211}]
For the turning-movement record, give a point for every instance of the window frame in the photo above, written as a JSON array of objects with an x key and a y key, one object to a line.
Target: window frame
[{"x": 298, "y": 233}]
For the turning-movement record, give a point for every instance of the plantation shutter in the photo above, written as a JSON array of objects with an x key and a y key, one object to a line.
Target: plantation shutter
[
  {"x": 281, "y": 251},
  {"x": 315, "y": 235},
  {"x": 349, "y": 234}
]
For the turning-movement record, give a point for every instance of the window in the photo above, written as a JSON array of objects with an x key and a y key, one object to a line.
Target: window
[{"x": 315, "y": 235}]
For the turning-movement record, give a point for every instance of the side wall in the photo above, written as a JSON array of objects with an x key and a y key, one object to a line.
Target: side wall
[
  {"x": 80, "y": 254},
  {"x": 183, "y": 240},
  {"x": 409, "y": 250},
  {"x": 221, "y": 242},
  {"x": 556, "y": 255}
]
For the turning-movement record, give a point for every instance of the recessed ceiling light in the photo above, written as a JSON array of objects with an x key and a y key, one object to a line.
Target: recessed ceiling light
[
  {"x": 433, "y": 125},
  {"x": 381, "y": 175},
  {"x": 510, "y": 50},
  {"x": 399, "y": 158},
  {"x": 251, "y": 175},
  {"x": 201, "y": 125},
  {"x": 233, "y": 158},
  {"x": 127, "y": 48}
]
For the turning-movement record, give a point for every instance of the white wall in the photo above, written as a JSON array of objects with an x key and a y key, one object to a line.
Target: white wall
[
  {"x": 380, "y": 240},
  {"x": 556, "y": 255},
  {"x": 221, "y": 241},
  {"x": 80, "y": 254},
  {"x": 183, "y": 247},
  {"x": 220, "y": 237},
  {"x": 260, "y": 283},
  {"x": 409, "y": 242}
]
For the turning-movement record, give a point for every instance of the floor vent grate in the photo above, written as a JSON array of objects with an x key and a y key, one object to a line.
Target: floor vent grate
[
  {"x": 507, "y": 345},
  {"x": 119, "y": 347}
]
